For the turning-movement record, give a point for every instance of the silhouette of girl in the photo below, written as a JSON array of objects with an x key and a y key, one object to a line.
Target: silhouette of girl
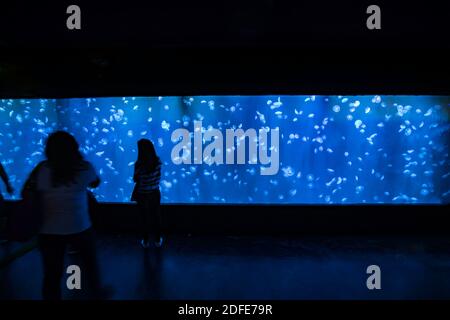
[
  {"x": 147, "y": 174},
  {"x": 61, "y": 182},
  {"x": 5, "y": 179},
  {"x": 10, "y": 190}
]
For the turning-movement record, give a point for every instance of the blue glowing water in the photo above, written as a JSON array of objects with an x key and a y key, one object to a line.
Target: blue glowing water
[{"x": 333, "y": 149}]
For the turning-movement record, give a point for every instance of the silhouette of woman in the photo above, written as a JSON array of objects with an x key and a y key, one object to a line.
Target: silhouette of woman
[
  {"x": 147, "y": 174},
  {"x": 5, "y": 180},
  {"x": 10, "y": 190},
  {"x": 61, "y": 182}
]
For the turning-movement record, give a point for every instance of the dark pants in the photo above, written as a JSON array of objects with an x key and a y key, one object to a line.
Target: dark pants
[
  {"x": 53, "y": 248},
  {"x": 3, "y": 219},
  {"x": 150, "y": 215}
]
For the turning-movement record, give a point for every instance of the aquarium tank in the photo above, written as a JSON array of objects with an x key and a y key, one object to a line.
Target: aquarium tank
[{"x": 247, "y": 149}]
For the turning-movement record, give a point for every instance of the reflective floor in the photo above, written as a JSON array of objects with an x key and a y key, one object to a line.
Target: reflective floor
[{"x": 200, "y": 267}]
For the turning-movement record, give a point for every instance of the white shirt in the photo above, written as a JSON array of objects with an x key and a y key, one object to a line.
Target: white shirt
[{"x": 65, "y": 207}]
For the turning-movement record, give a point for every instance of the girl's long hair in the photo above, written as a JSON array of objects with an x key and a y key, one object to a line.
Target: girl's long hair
[
  {"x": 64, "y": 157},
  {"x": 147, "y": 157}
]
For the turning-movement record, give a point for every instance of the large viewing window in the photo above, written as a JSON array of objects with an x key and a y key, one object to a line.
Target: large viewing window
[{"x": 247, "y": 149}]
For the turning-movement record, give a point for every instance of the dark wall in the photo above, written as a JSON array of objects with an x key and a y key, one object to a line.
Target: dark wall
[
  {"x": 153, "y": 23},
  {"x": 222, "y": 71},
  {"x": 280, "y": 220},
  {"x": 177, "y": 47}
]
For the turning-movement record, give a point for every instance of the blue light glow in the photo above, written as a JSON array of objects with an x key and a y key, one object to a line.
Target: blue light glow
[{"x": 332, "y": 149}]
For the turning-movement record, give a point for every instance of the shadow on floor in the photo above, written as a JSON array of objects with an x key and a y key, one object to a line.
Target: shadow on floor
[{"x": 200, "y": 267}]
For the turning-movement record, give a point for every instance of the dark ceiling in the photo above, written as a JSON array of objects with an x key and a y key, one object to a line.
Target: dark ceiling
[
  {"x": 195, "y": 47},
  {"x": 216, "y": 22}
]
